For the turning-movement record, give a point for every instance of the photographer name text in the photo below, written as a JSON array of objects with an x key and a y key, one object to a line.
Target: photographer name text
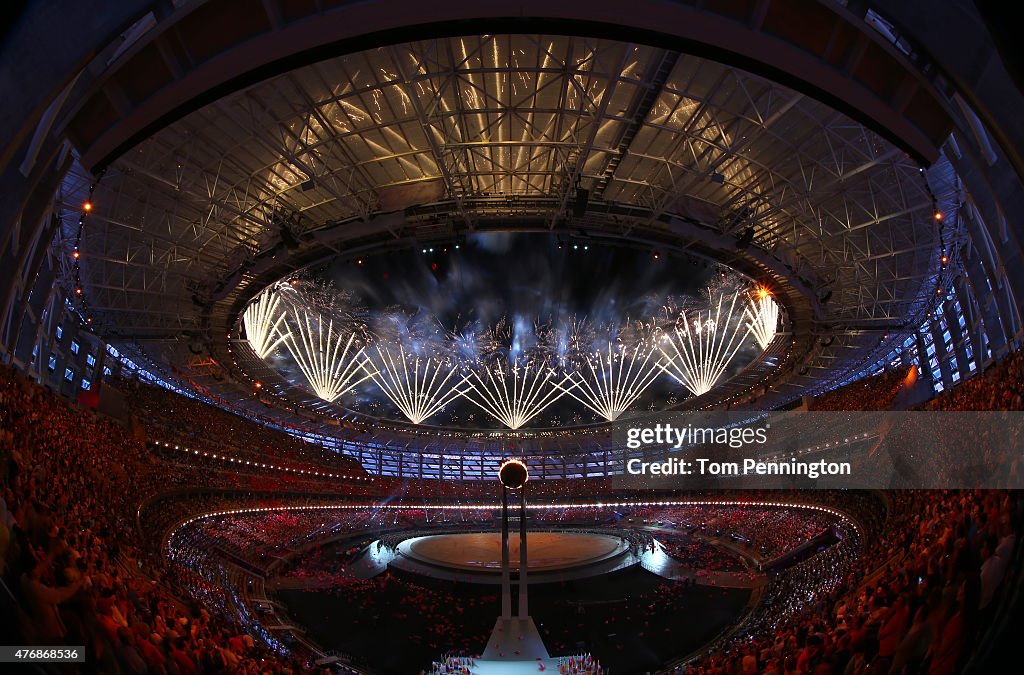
[{"x": 703, "y": 466}]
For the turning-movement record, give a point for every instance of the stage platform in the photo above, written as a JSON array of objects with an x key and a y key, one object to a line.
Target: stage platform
[
  {"x": 549, "y": 666},
  {"x": 657, "y": 561},
  {"x": 516, "y": 667},
  {"x": 475, "y": 557},
  {"x": 481, "y": 551},
  {"x": 515, "y": 639},
  {"x": 514, "y": 648}
]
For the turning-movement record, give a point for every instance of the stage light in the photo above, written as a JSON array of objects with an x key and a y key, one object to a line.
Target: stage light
[
  {"x": 938, "y": 215},
  {"x": 87, "y": 206},
  {"x": 75, "y": 254},
  {"x": 944, "y": 258}
]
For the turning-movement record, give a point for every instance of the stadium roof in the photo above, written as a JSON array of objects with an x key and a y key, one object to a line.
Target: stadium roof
[{"x": 429, "y": 140}]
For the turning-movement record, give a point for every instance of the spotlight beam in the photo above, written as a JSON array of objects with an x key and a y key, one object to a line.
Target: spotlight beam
[
  {"x": 419, "y": 387},
  {"x": 613, "y": 382},
  {"x": 326, "y": 364},
  {"x": 262, "y": 329},
  {"x": 696, "y": 355},
  {"x": 514, "y": 395}
]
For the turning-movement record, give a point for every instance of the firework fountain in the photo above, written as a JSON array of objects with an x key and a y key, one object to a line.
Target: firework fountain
[
  {"x": 611, "y": 381},
  {"x": 419, "y": 386},
  {"x": 762, "y": 317},
  {"x": 512, "y": 369},
  {"x": 263, "y": 321},
  {"x": 514, "y": 393},
  {"x": 325, "y": 357},
  {"x": 700, "y": 348}
]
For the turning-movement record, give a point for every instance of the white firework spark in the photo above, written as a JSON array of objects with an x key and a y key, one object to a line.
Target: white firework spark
[
  {"x": 324, "y": 358},
  {"x": 515, "y": 394},
  {"x": 611, "y": 382},
  {"x": 262, "y": 320},
  {"x": 321, "y": 298},
  {"x": 700, "y": 349},
  {"x": 762, "y": 317},
  {"x": 418, "y": 386}
]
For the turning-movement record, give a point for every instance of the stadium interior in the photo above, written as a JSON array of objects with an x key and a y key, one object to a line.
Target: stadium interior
[{"x": 325, "y": 328}]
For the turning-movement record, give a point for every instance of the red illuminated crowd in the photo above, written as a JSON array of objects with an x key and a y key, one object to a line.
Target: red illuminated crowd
[
  {"x": 79, "y": 570},
  {"x": 765, "y": 532},
  {"x": 1001, "y": 387},
  {"x": 183, "y": 421},
  {"x": 71, "y": 482},
  {"x": 875, "y": 392},
  {"x": 914, "y": 602}
]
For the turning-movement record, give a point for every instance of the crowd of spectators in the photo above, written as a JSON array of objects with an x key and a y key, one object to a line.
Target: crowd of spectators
[
  {"x": 261, "y": 537},
  {"x": 1000, "y": 387},
  {"x": 767, "y": 532},
  {"x": 178, "y": 420},
  {"x": 914, "y": 601},
  {"x": 328, "y": 567},
  {"x": 699, "y": 554},
  {"x": 483, "y": 490},
  {"x": 71, "y": 481},
  {"x": 436, "y": 609},
  {"x": 262, "y": 474},
  {"x": 324, "y": 566},
  {"x": 875, "y": 392},
  {"x": 81, "y": 572}
]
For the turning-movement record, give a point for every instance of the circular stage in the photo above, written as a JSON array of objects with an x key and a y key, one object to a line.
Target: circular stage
[{"x": 481, "y": 551}]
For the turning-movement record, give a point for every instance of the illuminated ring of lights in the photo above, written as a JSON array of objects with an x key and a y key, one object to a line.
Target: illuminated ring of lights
[{"x": 170, "y": 531}]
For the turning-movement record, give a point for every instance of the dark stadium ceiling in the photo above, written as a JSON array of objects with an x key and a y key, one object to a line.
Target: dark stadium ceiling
[{"x": 427, "y": 141}]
